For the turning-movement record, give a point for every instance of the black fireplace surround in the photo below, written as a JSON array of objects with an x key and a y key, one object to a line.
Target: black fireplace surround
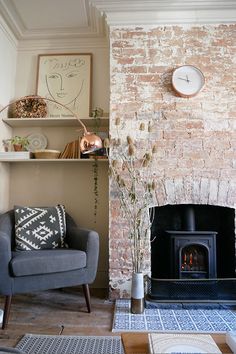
[{"x": 193, "y": 253}]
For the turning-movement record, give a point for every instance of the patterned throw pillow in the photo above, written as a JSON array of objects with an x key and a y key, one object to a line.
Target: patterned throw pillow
[{"x": 40, "y": 228}]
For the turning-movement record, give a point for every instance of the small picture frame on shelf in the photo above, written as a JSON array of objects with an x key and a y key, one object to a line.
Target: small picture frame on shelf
[{"x": 65, "y": 78}]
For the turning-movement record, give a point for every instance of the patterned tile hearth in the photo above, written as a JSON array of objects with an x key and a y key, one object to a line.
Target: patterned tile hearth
[{"x": 173, "y": 319}]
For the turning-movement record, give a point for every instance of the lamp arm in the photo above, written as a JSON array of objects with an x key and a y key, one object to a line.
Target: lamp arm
[{"x": 50, "y": 100}]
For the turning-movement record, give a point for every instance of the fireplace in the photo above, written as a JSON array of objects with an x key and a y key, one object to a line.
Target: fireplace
[{"x": 193, "y": 253}]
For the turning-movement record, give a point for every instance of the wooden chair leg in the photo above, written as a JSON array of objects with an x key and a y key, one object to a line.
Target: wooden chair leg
[
  {"x": 6, "y": 314},
  {"x": 87, "y": 296}
]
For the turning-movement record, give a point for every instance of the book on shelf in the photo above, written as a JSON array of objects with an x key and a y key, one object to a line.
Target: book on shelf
[
  {"x": 160, "y": 343},
  {"x": 71, "y": 150},
  {"x": 15, "y": 155}
]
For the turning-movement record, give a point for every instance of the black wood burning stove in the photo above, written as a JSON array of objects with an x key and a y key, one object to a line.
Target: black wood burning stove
[{"x": 193, "y": 253}]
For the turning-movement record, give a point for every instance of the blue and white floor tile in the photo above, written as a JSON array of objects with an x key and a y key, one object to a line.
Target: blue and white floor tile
[{"x": 173, "y": 320}]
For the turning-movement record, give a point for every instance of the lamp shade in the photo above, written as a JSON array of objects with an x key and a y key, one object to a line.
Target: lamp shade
[{"x": 90, "y": 142}]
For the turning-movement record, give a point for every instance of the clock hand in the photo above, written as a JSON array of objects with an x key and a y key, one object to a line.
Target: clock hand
[
  {"x": 187, "y": 78},
  {"x": 181, "y": 78}
]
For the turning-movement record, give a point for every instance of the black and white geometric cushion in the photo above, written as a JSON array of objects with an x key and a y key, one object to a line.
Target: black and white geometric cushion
[{"x": 40, "y": 228}]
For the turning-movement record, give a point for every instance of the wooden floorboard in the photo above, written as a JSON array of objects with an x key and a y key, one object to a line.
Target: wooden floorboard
[{"x": 49, "y": 312}]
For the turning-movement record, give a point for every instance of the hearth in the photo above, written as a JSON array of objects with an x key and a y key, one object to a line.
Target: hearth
[{"x": 193, "y": 253}]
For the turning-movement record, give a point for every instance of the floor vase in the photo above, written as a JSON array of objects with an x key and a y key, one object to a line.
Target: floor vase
[{"x": 137, "y": 293}]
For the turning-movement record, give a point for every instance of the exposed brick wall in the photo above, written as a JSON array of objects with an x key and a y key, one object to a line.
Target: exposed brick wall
[{"x": 196, "y": 137}]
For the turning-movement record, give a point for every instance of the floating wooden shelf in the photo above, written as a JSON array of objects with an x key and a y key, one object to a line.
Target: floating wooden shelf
[
  {"x": 52, "y": 160},
  {"x": 56, "y": 122}
]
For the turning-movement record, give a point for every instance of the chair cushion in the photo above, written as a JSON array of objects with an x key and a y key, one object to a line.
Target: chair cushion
[
  {"x": 40, "y": 228},
  {"x": 46, "y": 261}
]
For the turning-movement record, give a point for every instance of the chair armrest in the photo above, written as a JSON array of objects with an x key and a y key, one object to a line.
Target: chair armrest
[
  {"x": 5, "y": 257},
  {"x": 87, "y": 241},
  {"x": 5, "y": 249}
]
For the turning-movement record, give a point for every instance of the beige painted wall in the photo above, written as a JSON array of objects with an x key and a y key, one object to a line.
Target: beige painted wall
[
  {"x": 69, "y": 183},
  {"x": 7, "y": 74}
]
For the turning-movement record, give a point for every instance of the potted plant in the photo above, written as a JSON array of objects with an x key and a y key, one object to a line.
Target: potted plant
[
  {"x": 129, "y": 163},
  {"x": 19, "y": 143}
]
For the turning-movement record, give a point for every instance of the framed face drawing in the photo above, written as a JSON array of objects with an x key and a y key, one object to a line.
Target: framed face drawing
[{"x": 65, "y": 78}]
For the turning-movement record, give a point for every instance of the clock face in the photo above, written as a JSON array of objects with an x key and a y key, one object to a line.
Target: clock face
[{"x": 187, "y": 80}]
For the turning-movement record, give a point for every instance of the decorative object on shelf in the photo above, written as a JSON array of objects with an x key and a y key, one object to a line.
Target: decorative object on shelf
[
  {"x": 6, "y": 144},
  {"x": 66, "y": 78},
  {"x": 46, "y": 154},
  {"x": 30, "y": 107},
  {"x": 89, "y": 142},
  {"x": 15, "y": 155},
  {"x": 130, "y": 171},
  {"x": 97, "y": 112},
  {"x": 19, "y": 143},
  {"x": 187, "y": 81},
  {"x": 37, "y": 141}
]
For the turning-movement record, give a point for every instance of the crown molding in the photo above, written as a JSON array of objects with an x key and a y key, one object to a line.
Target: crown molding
[
  {"x": 8, "y": 33},
  {"x": 62, "y": 45},
  {"x": 95, "y": 28},
  {"x": 142, "y": 12}
]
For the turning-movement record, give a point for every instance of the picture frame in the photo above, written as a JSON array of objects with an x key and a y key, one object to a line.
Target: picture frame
[{"x": 67, "y": 79}]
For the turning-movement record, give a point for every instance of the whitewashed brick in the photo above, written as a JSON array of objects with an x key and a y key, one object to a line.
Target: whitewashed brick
[
  {"x": 204, "y": 190},
  {"x": 231, "y": 200},
  {"x": 170, "y": 191},
  {"x": 223, "y": 192},
  {"x": 213, "y": 192},
  {"x": 188, "y": 185},
  {"x": 196, "y": 191},
  {"x": 179, "y": 191},
  {"x": 217, "y": 125}
]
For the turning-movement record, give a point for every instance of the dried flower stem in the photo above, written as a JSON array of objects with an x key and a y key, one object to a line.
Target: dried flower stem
[{"x": 135, "y": 190}]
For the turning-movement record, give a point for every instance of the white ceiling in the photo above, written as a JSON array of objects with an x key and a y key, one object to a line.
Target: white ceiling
[
  {"x": 51, "y": 14},
  {"x": 47, "y": 19}
]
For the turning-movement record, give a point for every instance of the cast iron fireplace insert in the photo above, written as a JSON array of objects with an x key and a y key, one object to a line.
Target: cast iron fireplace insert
[{"x": 193, "y": 253}]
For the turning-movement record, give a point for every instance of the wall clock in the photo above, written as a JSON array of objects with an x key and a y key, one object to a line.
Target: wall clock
[{"x": 187, "y": 80}]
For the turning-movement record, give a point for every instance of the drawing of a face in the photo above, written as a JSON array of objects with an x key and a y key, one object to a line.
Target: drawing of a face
[{"x": 65, "y": 80}]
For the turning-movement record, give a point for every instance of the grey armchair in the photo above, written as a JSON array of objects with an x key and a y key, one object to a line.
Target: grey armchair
[{"x": 28, "y": 271}]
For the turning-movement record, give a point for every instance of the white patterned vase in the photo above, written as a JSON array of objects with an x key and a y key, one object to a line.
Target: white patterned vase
[{"x": 137, "y": 293}]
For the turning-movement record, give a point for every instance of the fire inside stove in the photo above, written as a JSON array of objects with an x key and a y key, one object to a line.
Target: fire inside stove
[{"x": 193, "y": 259}]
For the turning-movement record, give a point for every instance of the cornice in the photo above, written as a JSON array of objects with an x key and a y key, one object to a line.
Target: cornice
[
  {"x": 8, "y": 33},
  {"x": 141, "y": 12},
  {"x": 63, "y": 45}
]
